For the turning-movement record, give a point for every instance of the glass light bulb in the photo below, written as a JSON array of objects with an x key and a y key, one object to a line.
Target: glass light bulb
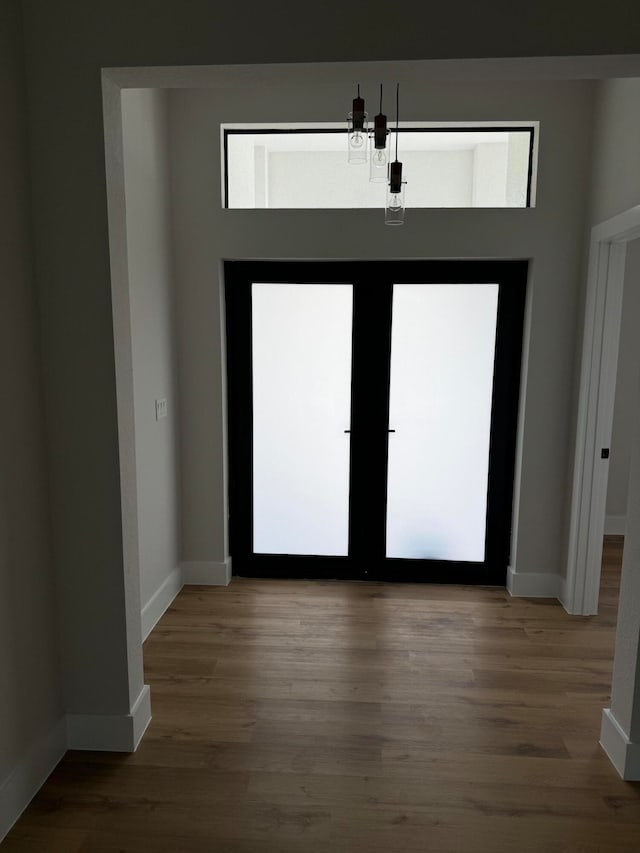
[
  {"x": 378, "y": 171},
  {"x": 357, "y": 148},
  {"x": 395, "y": 209}
]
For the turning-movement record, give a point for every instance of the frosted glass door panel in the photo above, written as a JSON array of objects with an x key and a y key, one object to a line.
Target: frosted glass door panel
[
  {"x": 301, "y": 338},
  {"x": 442, "y": 357}
]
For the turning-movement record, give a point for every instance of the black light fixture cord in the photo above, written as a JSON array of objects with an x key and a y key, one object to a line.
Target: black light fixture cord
[
  {"x": 380, "y": 97},
  {"x": 397, "y": 115}
]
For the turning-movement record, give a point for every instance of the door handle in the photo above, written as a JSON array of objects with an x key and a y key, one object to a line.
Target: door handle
[{"x": 389, "y": 430}]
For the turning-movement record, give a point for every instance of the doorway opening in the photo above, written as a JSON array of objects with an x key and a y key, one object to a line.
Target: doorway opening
[
  {"x": 601, "y": 341},
  {"x": 624, "y": 428},
  {"x": 372, "y": 418}
]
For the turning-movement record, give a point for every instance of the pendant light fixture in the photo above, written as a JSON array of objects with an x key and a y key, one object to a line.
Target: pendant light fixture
[
  {"x": 357, "y": 135},
  {"x": 379, "y": 154},
  {"x": 394, "y": 211}
]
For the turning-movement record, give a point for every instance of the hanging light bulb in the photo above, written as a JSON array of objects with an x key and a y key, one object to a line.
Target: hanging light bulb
[
  {"x": 357, "y": 131},
  {"x": 379, "y": 141},
  {"x": 394, "y": 211}
]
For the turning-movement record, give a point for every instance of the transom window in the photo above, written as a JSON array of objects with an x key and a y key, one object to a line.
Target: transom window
[{"x": 305, "y": 166}]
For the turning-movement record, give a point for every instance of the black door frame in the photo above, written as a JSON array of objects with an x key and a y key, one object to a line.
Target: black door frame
[{"x": 372, "y": 288}]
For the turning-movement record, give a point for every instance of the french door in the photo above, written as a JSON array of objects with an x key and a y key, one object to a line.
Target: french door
[{"x": 372, "y": 417}]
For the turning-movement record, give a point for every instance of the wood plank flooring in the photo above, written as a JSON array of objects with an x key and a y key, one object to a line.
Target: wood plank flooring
[{"x": 323, "y": 717}]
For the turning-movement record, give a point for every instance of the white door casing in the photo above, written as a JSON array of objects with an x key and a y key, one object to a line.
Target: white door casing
[{"x": 601, "y": 339}]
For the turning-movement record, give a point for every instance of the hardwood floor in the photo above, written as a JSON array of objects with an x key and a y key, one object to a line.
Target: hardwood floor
[{"x": 345, "y": 717}]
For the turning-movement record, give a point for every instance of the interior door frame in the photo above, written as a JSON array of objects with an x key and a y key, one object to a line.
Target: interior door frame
[
  {"x": 511, "y": 276},
  {"x": 601, "y": 339}
]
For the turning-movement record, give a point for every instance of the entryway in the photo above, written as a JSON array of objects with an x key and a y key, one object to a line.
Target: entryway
[{"x": 372, "y": 417}]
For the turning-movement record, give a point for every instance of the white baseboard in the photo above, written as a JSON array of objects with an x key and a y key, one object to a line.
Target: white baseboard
[
  {"x": 117, "y": 733},
  {"x": 533, "y": 584},
  {"x": 207, "y": 573},
  {"x": 162, "y": 598},
  {"x": 615, "y": 525},
  {"x": 111, "y": 732},
  {"x": 623, "y": 754},
  {"x": 21, "y": 786}
]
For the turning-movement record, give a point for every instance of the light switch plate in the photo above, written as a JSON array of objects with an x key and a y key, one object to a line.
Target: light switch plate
[{"x": 161, "y": 408}]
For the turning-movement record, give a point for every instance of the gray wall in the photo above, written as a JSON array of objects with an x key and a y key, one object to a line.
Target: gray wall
[
  {"x": 550, "y": 234},
  {"x": 144, "y": 119},
  {"x": 615, "y": 182},
  {"x": 627, "y": 390},
  {"x": 30, "y": 695},
  {"x": 67, "y": 44}
]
